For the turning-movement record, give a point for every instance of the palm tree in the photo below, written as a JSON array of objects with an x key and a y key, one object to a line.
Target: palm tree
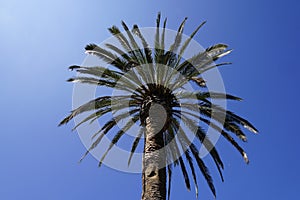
[{"x": 153, "y": 82}]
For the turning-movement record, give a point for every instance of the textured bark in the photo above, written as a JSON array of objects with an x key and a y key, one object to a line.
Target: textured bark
[{"x": 154, "y": 171}]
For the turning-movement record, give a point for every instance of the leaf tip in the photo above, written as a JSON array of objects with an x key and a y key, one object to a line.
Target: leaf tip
[
  {"x": 90, "y": 47},
  {"x": 246, "y": 158},
  {"x": 71, "y": 68},
  {"x": 70, "y": 80}
]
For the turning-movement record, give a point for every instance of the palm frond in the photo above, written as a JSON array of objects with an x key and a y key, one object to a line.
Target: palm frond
[
  {"x": 245, "y": 123},
  {"x": 105, "y": 55},
  {"x": 120, "y": 37},
  {"x": 92, "y": 81},
  {"x": 230, "y": 116},
  {"x": 169, "y": 173},
  {"x": 228, "y": 137},
  {"x": 201, "y": 135},
  {"x": 147, "y": 50},
  {"x": 236, "y": 145},
  {"x": 178, "y": 38},
  {"x": 116, "y": 106},
  {"x": 185, "y": 149},
  {"x": 119, "y": 134},
  {"x": 202, "y": 60},
  {"x": 172, "y": 151},
  {"x": 119, "y": 51},
  {"x": 201, "y": 164},
  {"x": 104, "y": 130},
  {"x": 162, "y": 42},
  {"x": 191, "y": 72},
  {"x": 100, "y": 72},
  {"x": 205, "y": 96},
  {"x": 91, "y": 105},
  {"x": 208, "y": 145},
  {"x": 136, "y": 50},
  {"x": 93, "y": 116},
  {"x": 187, "y": 42},
  {"x": 179, "y": 157},
  {"x": 106, "y": 74},
  {"x": 135, "y": 144},
  {"x": 185, "y": 174},
  {"x": 209, "y": 67},
  {"x": 222, "y": 117},
  {"x": 190, "y": 161},
  {"x": 203, "y": 169},
  {"x": 224, "y": 134},
  {"x": 107, "y": 127},
  {"x": 217, "y": 95},
  {"x": 216, "y": 50},
  {"x": 158, "y": 51}
]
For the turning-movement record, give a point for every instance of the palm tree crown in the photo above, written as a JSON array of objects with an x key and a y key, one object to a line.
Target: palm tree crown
[{"x": 152, "y": 81}]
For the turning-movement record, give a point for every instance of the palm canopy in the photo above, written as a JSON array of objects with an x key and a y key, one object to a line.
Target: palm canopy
[{"x": 156, "y": 75}]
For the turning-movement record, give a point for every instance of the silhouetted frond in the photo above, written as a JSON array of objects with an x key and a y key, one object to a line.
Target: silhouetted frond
[
  {"x": 190, "y": 161},
  {"x": 93, "y": 104},
  {"x": 185, "y": 174},
  {"x": 119, "y": 134},
  {"x": 169, "y": 173},
  {"x": 135, "y": 144}
]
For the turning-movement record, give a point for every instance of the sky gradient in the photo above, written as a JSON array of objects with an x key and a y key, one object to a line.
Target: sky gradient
[{"x": 40, "y": 39}]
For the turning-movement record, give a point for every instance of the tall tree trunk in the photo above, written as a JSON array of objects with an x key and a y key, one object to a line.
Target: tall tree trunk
[{"x": 154, "y": 170}]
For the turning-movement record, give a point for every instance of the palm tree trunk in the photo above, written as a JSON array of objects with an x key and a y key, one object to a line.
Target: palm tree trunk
[{"x": 154, "y": 170}]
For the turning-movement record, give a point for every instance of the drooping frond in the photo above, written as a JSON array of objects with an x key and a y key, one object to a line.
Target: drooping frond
[
  {"x": 119, "y": 134},
  {"x": 246, "y": 124},
  {"x": 201, "y": 164},
  {"x": 185, "y": 148},
  {"x": 230, "y": 116},
  {"x": 201, "y": 136},
  {"x": 185, "y": 174},
  {"x": 94, "y": 116},
  {"x": 93, "y": 104},
  {"x": 106, "y": 128},
  {"x": 204, "y": 169},
  {"x": 181, "y": 163},
  {"x": 135, "y": 144},
  {"x": 228, "y": 137},
  {"x": 222, "y": 117},
  {"x": 190, "y": 161},
  {"x": 169, "y": 172}
]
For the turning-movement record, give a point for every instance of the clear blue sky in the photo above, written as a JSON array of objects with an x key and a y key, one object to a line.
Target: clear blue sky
[{"x": 40, "y": 39}]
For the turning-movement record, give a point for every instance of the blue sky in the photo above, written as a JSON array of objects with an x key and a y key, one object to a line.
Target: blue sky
[{"x": 40, "y": 39}]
